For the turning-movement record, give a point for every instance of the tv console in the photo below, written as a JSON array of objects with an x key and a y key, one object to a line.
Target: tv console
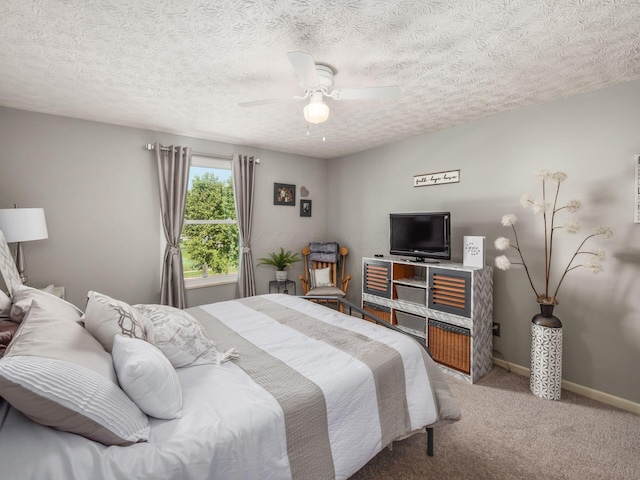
[
  {"x": 420, "y": 260},
  {"x": 448, "y": 305}
]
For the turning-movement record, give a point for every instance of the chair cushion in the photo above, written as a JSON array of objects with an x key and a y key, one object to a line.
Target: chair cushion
[{"x": 326, "y": 291}]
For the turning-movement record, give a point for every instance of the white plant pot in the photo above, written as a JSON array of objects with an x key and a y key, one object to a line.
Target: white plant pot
[{"x": 281, "y": 275}]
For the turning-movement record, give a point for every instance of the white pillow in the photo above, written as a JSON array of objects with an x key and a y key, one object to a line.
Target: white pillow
[
  {"x": 321, "y": 277},
  {"x": 105, "y": 317},
  {"x": 58, "y": 375},
  {"x": 23, "y": 296},
  {"x": 180, "y": 336},
  {"x": 146, "y": 375}
]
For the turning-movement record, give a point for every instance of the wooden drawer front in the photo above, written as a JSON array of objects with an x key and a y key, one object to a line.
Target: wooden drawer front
[
  {"x": 376, "y": 279},
  {"x": 383, "y": 313},
  {"x": 450, "y": 291},
  {"x": 450, "y": 345}
]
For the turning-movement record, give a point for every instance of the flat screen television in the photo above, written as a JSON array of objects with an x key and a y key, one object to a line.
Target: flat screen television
[{"x": 425, "y": 235}]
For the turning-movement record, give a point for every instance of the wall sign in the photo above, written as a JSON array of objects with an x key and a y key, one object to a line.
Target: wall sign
[{"x": 452, "y": 176}]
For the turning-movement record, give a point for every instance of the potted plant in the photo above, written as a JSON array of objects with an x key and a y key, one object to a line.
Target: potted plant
[{"x": 281, "y": 261}]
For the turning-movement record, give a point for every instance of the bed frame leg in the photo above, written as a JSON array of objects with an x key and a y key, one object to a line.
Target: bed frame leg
[{"x": 430, "y": 442}]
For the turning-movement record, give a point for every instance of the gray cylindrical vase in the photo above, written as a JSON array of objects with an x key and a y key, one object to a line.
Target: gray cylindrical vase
[{"x": 545, "y": 379}]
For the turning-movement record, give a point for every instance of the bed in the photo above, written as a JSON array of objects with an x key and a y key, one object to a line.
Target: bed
[{"x": 312, "y": 393}]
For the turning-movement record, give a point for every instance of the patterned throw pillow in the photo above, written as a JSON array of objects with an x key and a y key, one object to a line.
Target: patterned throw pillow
[
  {"x": 105, "y": 317},
  {"x": 146, "y": 375},
  {"x": 180, "y": 336}
]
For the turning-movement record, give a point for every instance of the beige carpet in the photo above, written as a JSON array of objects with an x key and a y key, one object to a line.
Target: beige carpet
[{"x": 508, "y": 433}]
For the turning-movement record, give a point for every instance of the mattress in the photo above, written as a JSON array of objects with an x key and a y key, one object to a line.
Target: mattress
[{"x": 313, "y": 394}]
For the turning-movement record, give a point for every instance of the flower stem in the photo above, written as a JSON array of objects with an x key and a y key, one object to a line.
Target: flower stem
[
  {"x": 569, "y": 268},
  {"x": 546, "y": 240},
  {"x": 524, "y": 264},
  {"x": 553, "y": 219}
]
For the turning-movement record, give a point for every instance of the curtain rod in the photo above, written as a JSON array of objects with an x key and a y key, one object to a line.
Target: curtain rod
[{"x": 151, "y": 146}]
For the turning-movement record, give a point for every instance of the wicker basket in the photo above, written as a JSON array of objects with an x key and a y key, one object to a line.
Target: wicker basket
[
  {"x": 450, "y": 345},
  {"x": 383, "y": 313}
]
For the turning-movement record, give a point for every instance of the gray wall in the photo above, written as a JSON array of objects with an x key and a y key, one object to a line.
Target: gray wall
[
  {"x": 98, "y": 186},
  {"x": 592, "y": 138}
]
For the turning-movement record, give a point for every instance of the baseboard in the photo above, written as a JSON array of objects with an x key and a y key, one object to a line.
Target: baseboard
[{"x": 614, "y": 401}]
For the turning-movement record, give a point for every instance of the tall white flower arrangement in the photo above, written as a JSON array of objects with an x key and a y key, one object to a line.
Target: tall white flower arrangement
[{"x": 592, "y": 257}]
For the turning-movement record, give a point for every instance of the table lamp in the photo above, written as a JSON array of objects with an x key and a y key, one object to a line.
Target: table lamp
[{"x": 23, "y": 225}]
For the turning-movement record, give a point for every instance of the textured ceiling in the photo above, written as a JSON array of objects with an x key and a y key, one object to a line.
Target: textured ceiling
[{"x": 183, "y": 66}]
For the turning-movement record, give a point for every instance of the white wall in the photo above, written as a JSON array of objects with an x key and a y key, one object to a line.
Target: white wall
[
  {"x": 592, "y": 138},
  {"x": 98, "y": 186}
]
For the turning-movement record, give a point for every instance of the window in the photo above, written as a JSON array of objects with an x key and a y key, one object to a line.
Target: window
[{"x": 209, "y": 240}]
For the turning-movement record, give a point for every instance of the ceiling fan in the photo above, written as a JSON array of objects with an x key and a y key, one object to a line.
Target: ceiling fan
[{"x": 316, "y": 79}]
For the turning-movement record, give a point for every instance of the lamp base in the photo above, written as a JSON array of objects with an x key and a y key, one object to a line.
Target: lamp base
[{"x": 20, "y": 263}]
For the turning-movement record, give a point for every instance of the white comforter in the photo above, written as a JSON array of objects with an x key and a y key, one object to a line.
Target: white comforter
[{"x": 232, "y": 427}]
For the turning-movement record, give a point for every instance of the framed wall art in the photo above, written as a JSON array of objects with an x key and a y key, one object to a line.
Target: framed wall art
[
  {"x": 284, "y": 194},
  {"x": 305, "y": 208}
]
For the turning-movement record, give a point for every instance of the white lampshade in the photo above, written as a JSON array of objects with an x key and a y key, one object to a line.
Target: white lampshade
[
  {"x": 316, "y": 112},
  {"x": 23, "y": 224}
]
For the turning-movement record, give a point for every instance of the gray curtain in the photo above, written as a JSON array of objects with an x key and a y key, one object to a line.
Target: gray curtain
[
  {"x": 173, "y": 179},
  {"x": 243, "y": 185}
]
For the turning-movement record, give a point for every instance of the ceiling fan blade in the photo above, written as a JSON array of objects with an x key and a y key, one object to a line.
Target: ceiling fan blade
[
  {"x": 305, "y": 68},
  {"x": 367, "y": 93},
  {"x": 257, "y": 103}
]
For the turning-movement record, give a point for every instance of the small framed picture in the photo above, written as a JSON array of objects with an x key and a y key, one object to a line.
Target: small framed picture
[
  {"x": 305, "y": 208},
  {"x": 284, "y": 194}
]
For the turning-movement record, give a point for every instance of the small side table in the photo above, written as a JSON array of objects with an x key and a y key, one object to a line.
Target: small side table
[{"x": 278, "y": 285}]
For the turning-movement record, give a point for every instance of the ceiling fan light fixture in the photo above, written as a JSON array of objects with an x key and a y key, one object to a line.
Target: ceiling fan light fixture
[{"x": 316, "y": 111}]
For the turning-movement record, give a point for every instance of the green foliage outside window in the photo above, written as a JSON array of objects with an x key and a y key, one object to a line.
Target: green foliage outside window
[{"x": 210, "y": 198}]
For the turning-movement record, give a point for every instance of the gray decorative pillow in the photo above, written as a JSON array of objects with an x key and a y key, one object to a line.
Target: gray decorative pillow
[
  {"x": 180, "y": 336},
  {"x": 58, "y": 375},
  {"x": 23, "y": 296},
  {"x": 105, "y": 317}
]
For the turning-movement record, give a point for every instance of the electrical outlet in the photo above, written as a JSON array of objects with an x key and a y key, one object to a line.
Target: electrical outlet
[{"x": 496, "y": 329}]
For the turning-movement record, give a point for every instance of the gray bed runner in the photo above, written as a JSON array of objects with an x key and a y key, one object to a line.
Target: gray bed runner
[{"x": 301, "y": 400}]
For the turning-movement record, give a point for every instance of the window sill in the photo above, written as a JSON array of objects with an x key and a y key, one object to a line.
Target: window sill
[{"x": 213, "y": 281}]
